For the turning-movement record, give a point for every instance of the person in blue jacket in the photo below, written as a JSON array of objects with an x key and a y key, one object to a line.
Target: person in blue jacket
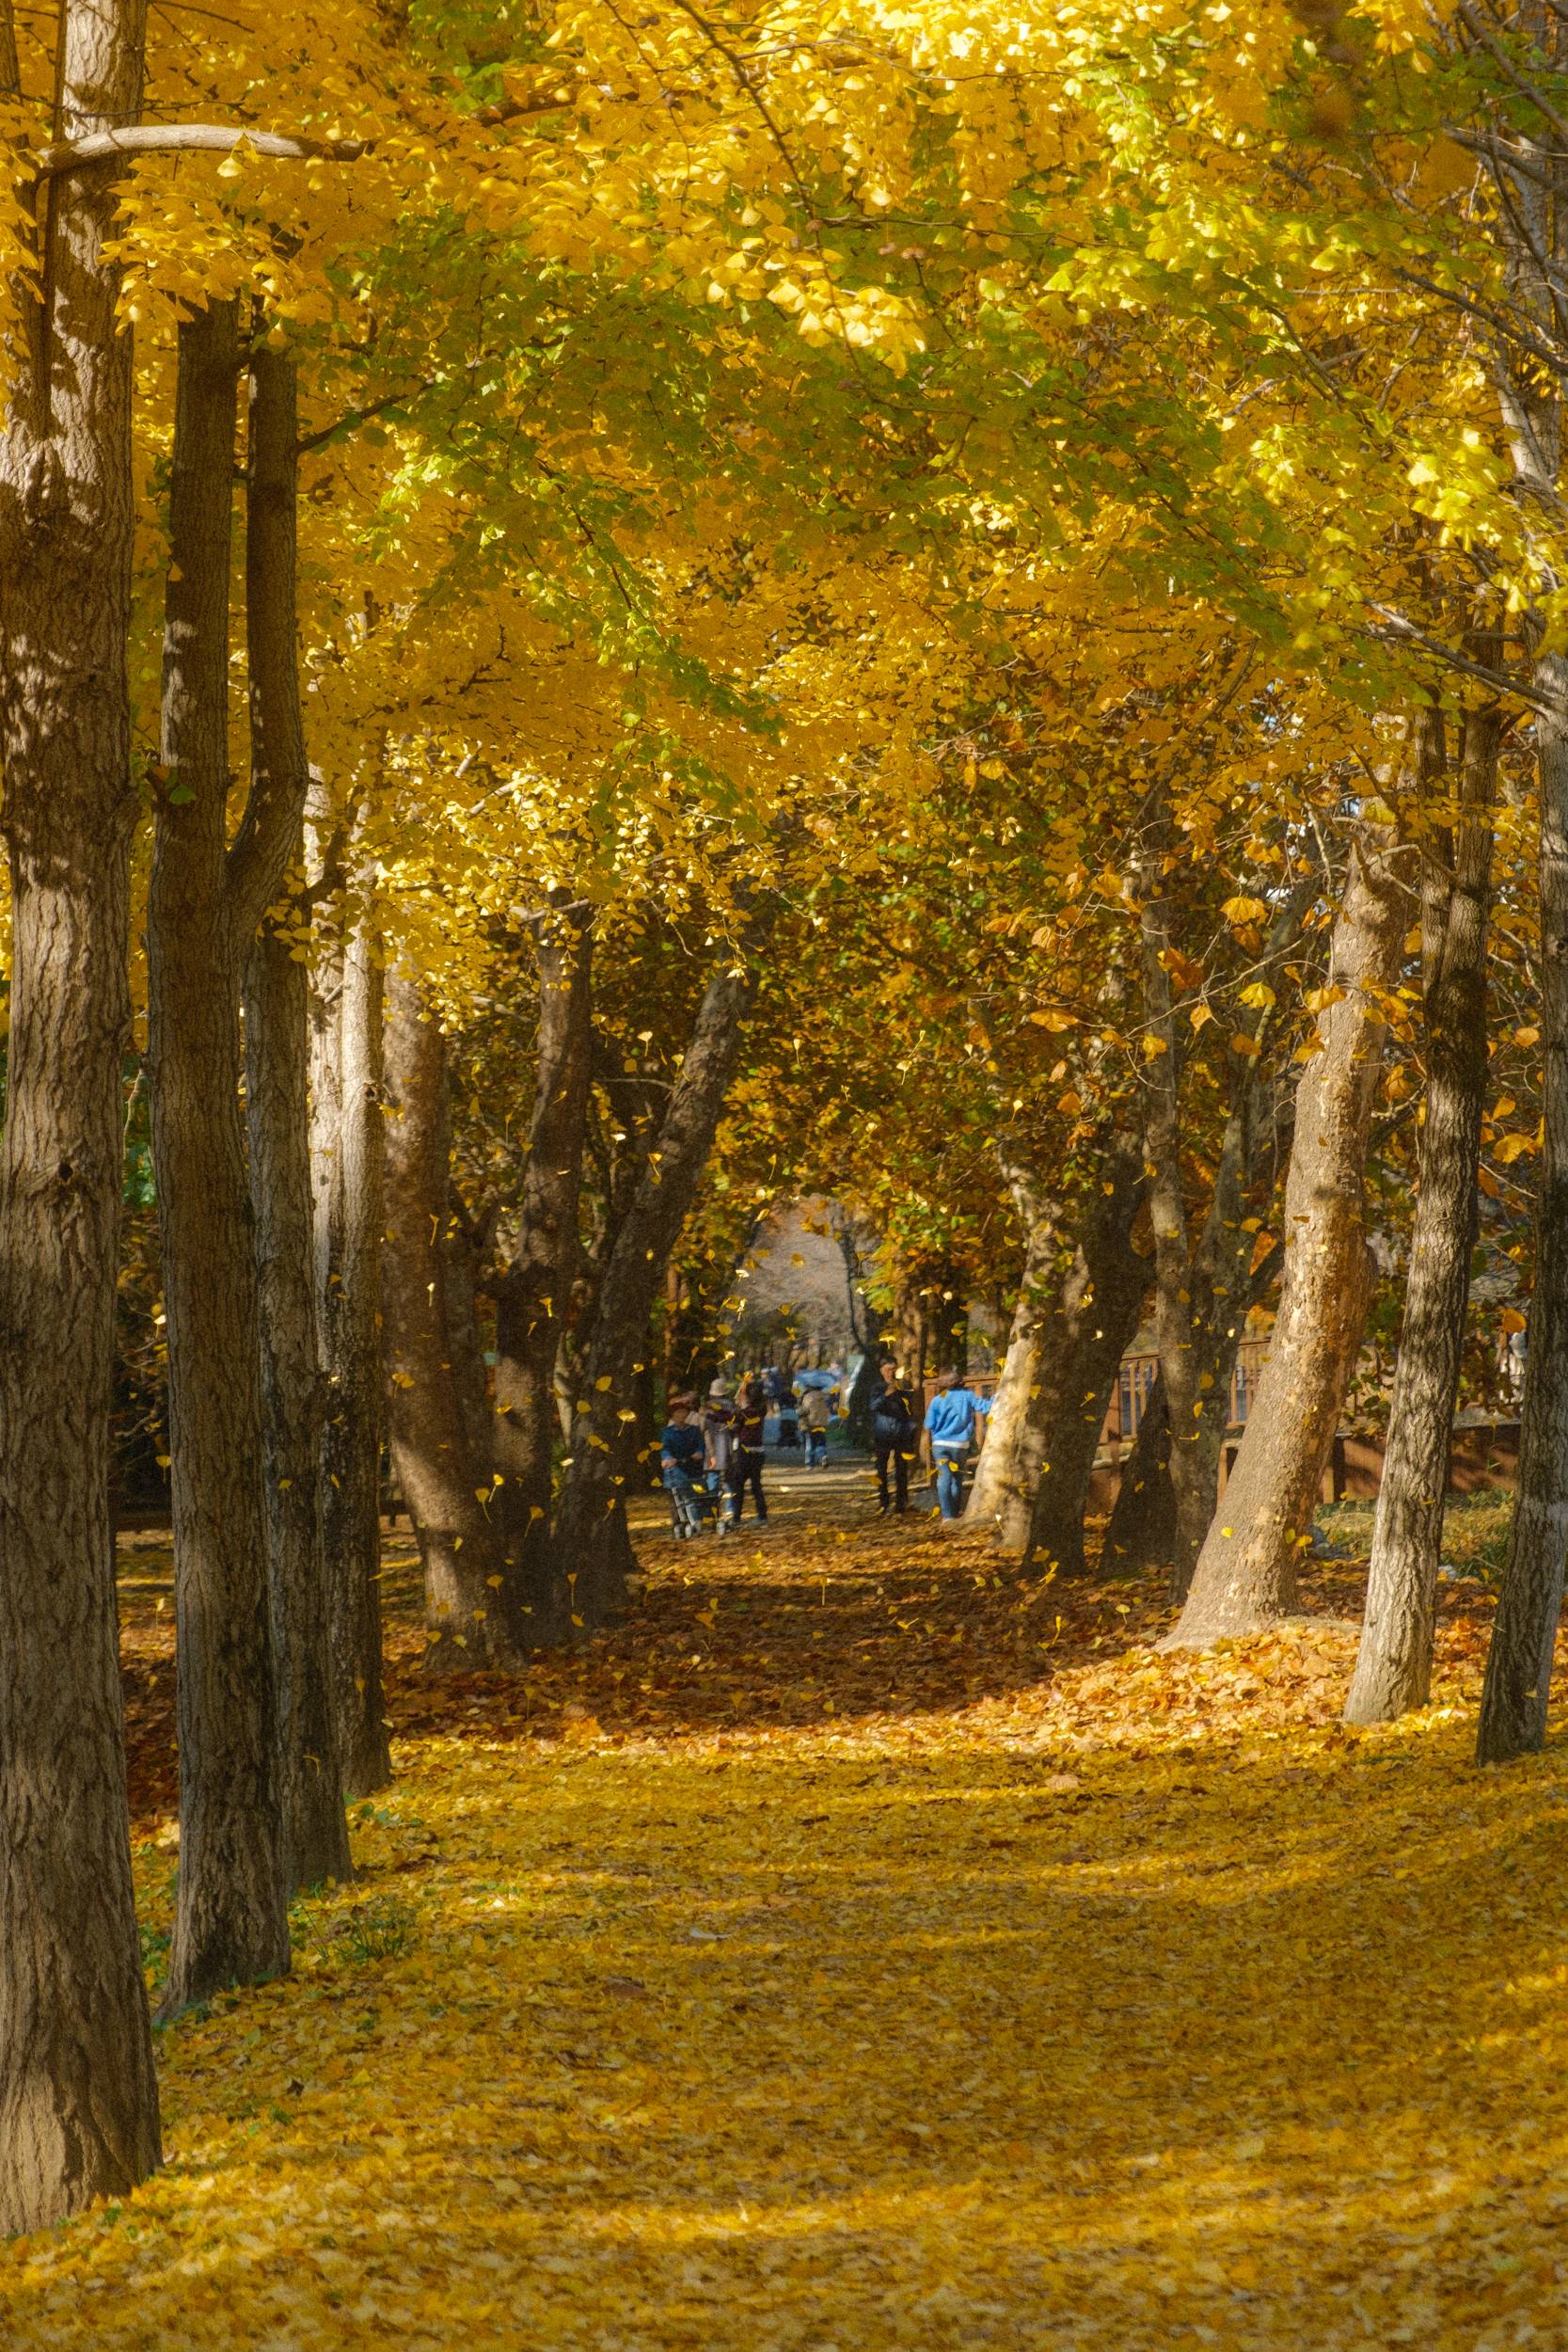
[{"x": 952, "y": 1427}]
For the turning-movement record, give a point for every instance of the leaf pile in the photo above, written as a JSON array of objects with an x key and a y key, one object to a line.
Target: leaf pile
[{"x": 866, "y": 1950}]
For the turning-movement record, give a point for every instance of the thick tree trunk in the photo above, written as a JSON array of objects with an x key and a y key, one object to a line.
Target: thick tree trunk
[
  {"x": 1009, "y": 1469},
  {"x": 1246, "y": 1572},
  {"x": 1142, "y": 1530},
  {"x": 78, "y": 2098},
  {"x": 1393, "y": 1667},
  {"x": 472, "y": 1615},
  {"x": 532, "y": 1291},
  {"x": 593, "y": 1548},
  {"x": 346, "y": 1160},
  {"x": 232, "y": 1920},
  {"x": 1100, "y": 1307},
  {"x": 277, "y": 1097},
  {"x": 1524, "y": 1632}
]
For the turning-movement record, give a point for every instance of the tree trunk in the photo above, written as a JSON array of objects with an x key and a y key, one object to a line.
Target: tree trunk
[
  {"x": 1393, "y": 1666},
  {"x": 1175, "y": 1321},
  {"x": 78, "y": 2097},
  {"x": 532, "y": 1293},
  {"x": 1101, "y": 1306},
  {"x": 346, "y": 1155},
  {"x": 1535, "y": 244},
  {"x": 593, "y": 1548},
  {"x": 231, "y": 1921},
  {"x": 472, "y": 1617},
  {"x": 1008, "y": 1469},
  {"x": 908, "y": 1323},
  {"x": 1246, "y": 1572},
  {"x": 315, "y": 1832},
  {"x": 278, "y": 1100},
  {"x": 1524, "y": 1632},
  {"x": 1200, "y": 1293},
  {"x": 1142, "y": 1531}
]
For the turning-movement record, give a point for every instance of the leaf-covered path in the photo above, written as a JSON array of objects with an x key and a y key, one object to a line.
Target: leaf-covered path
[{"x": 855, "y": 1955}]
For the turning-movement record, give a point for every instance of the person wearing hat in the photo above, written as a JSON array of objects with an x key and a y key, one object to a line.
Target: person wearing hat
[
  {"x": 718, "y": 1436},
  {"x": 681, "y": 1466}
]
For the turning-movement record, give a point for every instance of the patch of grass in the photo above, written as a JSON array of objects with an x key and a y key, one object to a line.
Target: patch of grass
[
  {"x": 1475, "y": 1532},
  {"x": 382, "y": 1927},
  {"x": 155, "y": 1923}
]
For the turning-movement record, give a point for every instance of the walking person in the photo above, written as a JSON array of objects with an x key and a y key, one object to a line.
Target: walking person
[
  {"x": 717, "y": 1438},
  {"x": 816, "y": 1417},
  {"x": 746, "y": 1454},
  {"x": 895, "y": 1434},
  {"x": 952, "y": 1427}
]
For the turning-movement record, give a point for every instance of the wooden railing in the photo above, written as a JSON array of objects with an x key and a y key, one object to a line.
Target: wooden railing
[
  {"x": 1130, "y": 1395},
  {"x": 1137, "y": 1378}
]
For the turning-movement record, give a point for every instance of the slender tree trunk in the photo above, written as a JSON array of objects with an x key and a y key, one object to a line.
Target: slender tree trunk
[
  {"x": 909, "y": 1317},
  {"x": 231, "y": 1921},
  {"x": 1142, "y": 1530},
  {"x": 1175, "y": 1335},
  {"x": 346, "y": 1155},
  {"x": 1532, "y": 228},
  {"x": 1246, "y": 1572},
  {"x": 532, "y": 1293},
  {"x": 78, "y": 2098},
  {"x": 1009, "y": 1469},
  {"x": 1393, "y": 1667},
  {"x": 1198, "y": 1292},
  {"x": 277, "y": 1093},
  {"x": 593, "y": 1548},
  {"x": 278, "y": 1106},
  {"x": 1524, "y": 1632},
  {"x": 1100, "y": 1312},
  {"x": 472, "y": 1615}
]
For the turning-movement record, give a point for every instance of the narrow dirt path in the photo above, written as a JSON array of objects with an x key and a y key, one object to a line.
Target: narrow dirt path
[{"x": 865, "y": 1951}]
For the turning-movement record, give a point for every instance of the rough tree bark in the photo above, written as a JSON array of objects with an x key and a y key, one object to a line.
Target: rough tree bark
[
  {"x": 315, "y": 1831},
  {"x": 533, "y": 1289},
  {"x": 591, "y": 1549},
  {"x": 1101, "y": 1301},
  {"x": 1393, "y": 1666},
  {"x": 78, "y": 2098},
  {"x": 1176, "y": 1320},
  {"x": 1142, "y": 1530},
  {"x": 1200, "y": 1291},
  {"x": 1246, "y": 1571},
  {"x": 1009, "y": 1469},
  {"x": 1532, "y": 216},
  {"x": 1524, "y": 1632},
  {"x": 232, "y": 1916},
  {"x": 472, "y": 1614},
  {"x": 277, "y": 1110},
  {"x": 346, "y": 1164}
]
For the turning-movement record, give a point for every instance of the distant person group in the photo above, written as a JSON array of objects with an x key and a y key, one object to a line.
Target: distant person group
[{"x": 711, "y": 1460}]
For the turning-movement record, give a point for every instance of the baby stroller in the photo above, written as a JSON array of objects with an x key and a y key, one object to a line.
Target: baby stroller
[{"x": 690, "y": 1505}]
